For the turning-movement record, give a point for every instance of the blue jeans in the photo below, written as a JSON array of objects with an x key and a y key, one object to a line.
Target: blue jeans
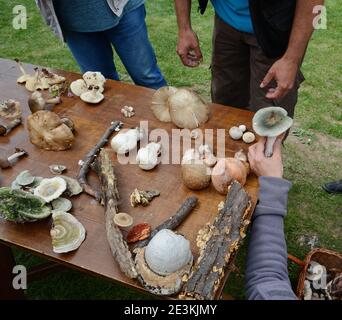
[{"x": 93, "y": 50}]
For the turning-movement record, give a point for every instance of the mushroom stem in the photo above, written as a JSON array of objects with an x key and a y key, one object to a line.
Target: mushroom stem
[
  {"x": 269, "y": 146},
  {"x": 18, "y": 154},
  {"x": 55, "y": 100}
]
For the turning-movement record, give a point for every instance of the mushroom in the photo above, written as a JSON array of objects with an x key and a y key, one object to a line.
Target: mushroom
[
  {"x": 242, "y": 127},
  {"x": 270, "y": 123},
  {"x": 78, "y": 87},
  {"x": 195, "y": 173},
  {"x": 148, "y": 157},
  {"x": 57, "y": 168},
  {"x": 61, "y": 204},
  {"x": 315, "y": 271},
  {"x": 24, "y": 76},
  {"x": 307, "y": 290},
  {"x": 92, "y": 78},
  {"x": 235, "y": 133},
  {"x": 206, "y": 155},
  {"x": 93, "y": 95},
  {"x": 24, "y": 178},
  {"x": 160, "y": 106},
  {"x": 47, "y": 131},
  {"x": 140, "y": 197},
  {"x": 37, "y": 82},
  {"x": 37, "y": 102},
  {"x": 229, "y": 169},
  {"x": 50, "y": 189},
  {"x": 67, "y": 232},
  {"x": 126, "y": 141},
  {"x": 10, "y": 116},
  {"x": 51, "y": 77},
  {"x": 9, "y": 161},
  {"x": 73, "y": 186},
  {"x": 123, "y": 220},
  {"x": 187, "y": 109},
  {"x": 248, "y": 137},
  {"x": 128, "y": 111}
]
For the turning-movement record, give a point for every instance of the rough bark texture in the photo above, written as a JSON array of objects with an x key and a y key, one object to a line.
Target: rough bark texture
[
  {"x": 173, "y": 222},
  {"x": 89, "y": 158},
  {"x": 110, "y": 197},
  {"x": 220, "y": 242}
]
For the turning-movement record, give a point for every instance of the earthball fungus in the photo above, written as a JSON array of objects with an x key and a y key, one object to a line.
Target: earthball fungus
[{"x": 270, "y": 123}]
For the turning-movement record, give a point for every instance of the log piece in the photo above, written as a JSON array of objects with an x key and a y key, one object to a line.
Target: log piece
[
  {"x": 89, "y": 159},
  {"x": 110, "y": 197},
  {"x": 220, "y": 244}
]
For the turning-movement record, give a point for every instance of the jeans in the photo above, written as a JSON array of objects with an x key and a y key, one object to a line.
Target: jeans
[{"x": 93, "y": 50}]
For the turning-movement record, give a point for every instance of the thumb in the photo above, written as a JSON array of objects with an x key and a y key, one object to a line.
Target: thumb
[{"x": 267, "y": 79}]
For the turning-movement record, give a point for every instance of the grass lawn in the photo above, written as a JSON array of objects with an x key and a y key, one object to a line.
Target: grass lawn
[{"x": 312, "y": 154}]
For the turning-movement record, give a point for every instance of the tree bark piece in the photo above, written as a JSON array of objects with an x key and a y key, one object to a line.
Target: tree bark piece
[
  {"x": 89, "y": 158},
  {"x": 110, "y": 197},
  {"x": 218, "y": 246},
  {"x": 173, "y": 222}
]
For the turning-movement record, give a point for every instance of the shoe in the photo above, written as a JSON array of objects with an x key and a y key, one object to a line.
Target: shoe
[{"x": 333, "y": 187}]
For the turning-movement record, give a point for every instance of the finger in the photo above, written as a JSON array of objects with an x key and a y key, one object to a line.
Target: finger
[
  {"x": 198, "y": 53},
  {"x": 188, "y": 62},
  {"x": 260, "y": 146},
  {"x": 278, "y": 93},
  {"x": 268, "y": 78}
]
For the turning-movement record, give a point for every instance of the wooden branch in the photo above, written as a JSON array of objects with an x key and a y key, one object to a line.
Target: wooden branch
[
  {"x": 7, "y": 126},
  {"x": 89, "y": 158},
  {"x": 218, "y": 246},
  {"x": 173, "y": 222},
  {"x": 110, "y": 196}
]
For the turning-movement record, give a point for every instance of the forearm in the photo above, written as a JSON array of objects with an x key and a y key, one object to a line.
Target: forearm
[
  {"x": 302, "y": 30},
  {"x": 183, "y": 11},
  {"x": 266, "y": 271}
]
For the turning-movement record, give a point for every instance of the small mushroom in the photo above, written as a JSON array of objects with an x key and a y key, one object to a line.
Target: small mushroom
[
  {"x": 78, "y": 87},
  {"x": 235, "y": 133},
  {"x": 24, "y": 76},
  {"x": 194, "y": 134},
  {"x": 10, "y": 116},
  {"x": 206, "y": 155},
  {"x": 37, "y": 102},
  {"x": 52, "y": 78},
  {"x": 248, "y": 137},
  {"x": 187, "y": 109},
  {"x": 242, "y": 127},
  {"x": 140, "y": 197},
  {"x": 92, "y": 78},
  {"x": 123, "y": 220},
  {"x": 160, "y": 106},
  {"x": 50, "y": 189},
  {"x": 24, "y": 178},
  {"x": 93, "y": 95},
  {"x": 128, "y": 111},
  {"x": 148, "y": 157},
  {"x": 126, "y": 141},
  {"x": 307, "y": 290},
  {"x": 73, "y": 186},
  {"x": 61, "y": 204},
  {"x": 315, "y": 271},
  {"x": 11, "y": 160},
  {"x": 67, "y": 232},
  {"x": 270, "y": 123},
  {"x": 57, "y": 168}
]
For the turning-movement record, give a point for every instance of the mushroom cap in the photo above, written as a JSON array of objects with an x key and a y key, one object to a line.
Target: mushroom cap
[
  {"x": 160, "y": 107},
  {"x": 248, "y": 137},
  {"x": 187, "y": 109},
  {"x": 73, "y": 186},
  {"x": 167, "y": 252},
  {"x": 92, "y": 96},
  {"x": 94, "y": 78},
  {"x": 50, "y": 189},
  {"x": 123, "y": 219},
  {"x": 61, "y": 204},
  {"x": 78, "y": 87},
  {"x": 235, "y": 133},
  {"x": 24, "y": 178},
  {"x": 10, "y": 109},
  {"x": 67, "y": 232},
  {"x": 47, "y": 131},
  {"x": 271, "y": 121}
]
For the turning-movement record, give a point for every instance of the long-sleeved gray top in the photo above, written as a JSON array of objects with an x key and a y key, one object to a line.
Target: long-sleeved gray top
[{"x": 266, "y": 271}]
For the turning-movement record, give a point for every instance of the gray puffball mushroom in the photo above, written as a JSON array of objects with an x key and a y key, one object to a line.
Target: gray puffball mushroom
[{"x": 271, "y": 122}]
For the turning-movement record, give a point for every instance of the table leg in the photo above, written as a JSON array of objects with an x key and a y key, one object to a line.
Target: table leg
[{"x": 7, "y": 263}]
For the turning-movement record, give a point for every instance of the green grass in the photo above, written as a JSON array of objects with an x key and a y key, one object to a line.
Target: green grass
[{"x": 308, "y": 165}]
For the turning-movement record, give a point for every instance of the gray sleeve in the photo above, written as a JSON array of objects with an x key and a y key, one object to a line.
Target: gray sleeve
[{"x": 266, "y": 271}]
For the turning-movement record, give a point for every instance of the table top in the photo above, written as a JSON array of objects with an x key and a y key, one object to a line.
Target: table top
[{"x": 94, "y": 255}]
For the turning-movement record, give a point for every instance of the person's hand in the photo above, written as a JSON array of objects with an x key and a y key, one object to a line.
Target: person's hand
[
  {"x": 188, "y": 48},
  {"x": 264, "y": 166},
  {"x": 284, "y": 72}
]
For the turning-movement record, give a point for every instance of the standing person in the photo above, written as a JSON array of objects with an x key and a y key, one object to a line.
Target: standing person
[
  {"x": 258, "y": 47},
  {"x": 91, "y": 27}
]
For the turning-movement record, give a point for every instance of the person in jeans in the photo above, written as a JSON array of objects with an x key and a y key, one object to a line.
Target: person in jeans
[
  {"x": 258, "y": 47},
  {"x": 266, "y": 270},
  {"x": 91, "y": 27}
]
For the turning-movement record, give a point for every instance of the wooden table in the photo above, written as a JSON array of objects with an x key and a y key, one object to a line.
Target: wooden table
[{"x": 94, "y": 255}]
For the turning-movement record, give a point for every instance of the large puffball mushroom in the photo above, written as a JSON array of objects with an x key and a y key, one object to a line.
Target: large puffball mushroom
[
  {"x": 37, "y": 102},
  {"x": 187, "y": 109},
  {"x": 67, "y": 232},
  {"x": 167, "y": 252},
  {"x": 160, "y": 106},
  {"x": 229, "y": 169},
  {"x": 93, "y": 95},
  {"x": 78, "y": 87},
  {"x": 195, "y": 173},
  {"x": 270, "y": 123},
  {"x": 48, "y": 132},
  {"x": 50, "y": 189},
  {"x": 235, "y": 133},
  {"x": 148, "y": 157},
  {"x": 126, "y": 141}
]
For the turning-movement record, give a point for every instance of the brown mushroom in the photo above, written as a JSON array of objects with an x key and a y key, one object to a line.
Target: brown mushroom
[
  {"x": 37, "y": 102},
  {"x": 10, "y": 116},
  {"x": 160, "y": 107}
]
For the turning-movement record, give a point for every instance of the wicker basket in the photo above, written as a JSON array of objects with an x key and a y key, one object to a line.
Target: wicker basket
[{"x": 330, "y": 259}]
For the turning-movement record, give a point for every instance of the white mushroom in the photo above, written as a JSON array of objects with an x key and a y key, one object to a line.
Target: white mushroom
[
  {"x": 78, "y": 87},
  {"x": 37, "y": 102},
  {"x": 160, "y": 106},
  {"x": 93, "y": 95},
  {"x": 235, "y": 133},
  {"x": 92, "y": 78},
  {"x": 126, "y": 141},
  {"x": 67, "y": 232},
  {"x": 248, "y": 137},
  {"x": 242, "y": 127},
  {"x": 50, "y": 189},
  {"x": 206, "y": 155},
  {"x": 128, "y": 111},
  {"x": 307, "y": 290},
  {"x": 24, "y": 76},
  {"x": 148, "y": 157},
  {"x": 315, "y": 271}
]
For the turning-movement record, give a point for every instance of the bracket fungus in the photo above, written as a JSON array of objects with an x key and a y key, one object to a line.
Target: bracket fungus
[
  {"x": 36, "y": 82},
  {"x": 21, "y": 206},
  {"x": 48, "y": 132},
  {"x": 10, "y": 116},
  {"x": 61, "y": 204},
  {"x": 126, "y": 140},
  {"x": 37, "y": 102},
  {"x": 73, "y": 186},
  {"x": 50, "y": 189},
  {"x": 270, "y": 123},
  {"x": 148, "y": 157},
  {"x": 160, "y": 107},
  {"x": 67, "y": 232},
  {"x": 123, "y": 220}
]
